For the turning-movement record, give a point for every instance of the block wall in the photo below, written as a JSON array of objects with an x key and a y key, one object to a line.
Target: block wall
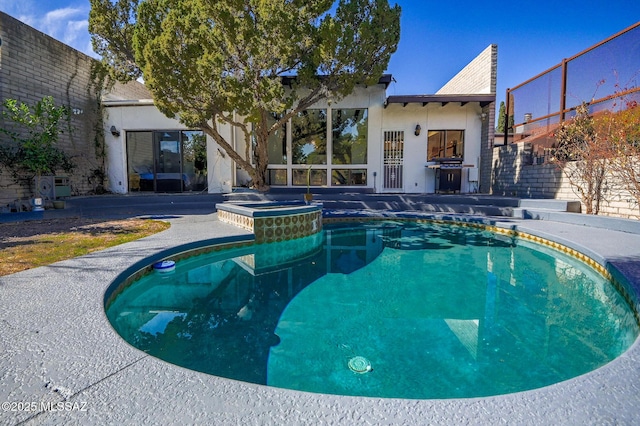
[
  {"x": 512, "y": 174},
  {"x": 34, "y": 65},
  {"x": 480, "y": 76}
]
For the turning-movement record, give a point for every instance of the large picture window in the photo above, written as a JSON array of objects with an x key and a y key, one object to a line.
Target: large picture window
[
  {"x": 333, "y": 141},
  {"x": 445, "y": 144},
  {"x": 349, "y": 131},
  {"x": 309, "y": 137}
]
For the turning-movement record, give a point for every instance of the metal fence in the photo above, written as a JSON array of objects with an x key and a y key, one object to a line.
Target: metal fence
[{"x": 601, "y": 76}]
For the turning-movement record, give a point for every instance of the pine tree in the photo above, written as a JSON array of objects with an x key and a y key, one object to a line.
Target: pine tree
[{"x": 209, "y": 62}]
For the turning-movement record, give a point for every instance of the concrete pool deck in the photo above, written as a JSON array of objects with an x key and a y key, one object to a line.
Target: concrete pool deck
[{"x": 57, "y": 346}]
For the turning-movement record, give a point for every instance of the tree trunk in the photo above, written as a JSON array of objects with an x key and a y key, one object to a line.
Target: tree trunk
[
  {"x": 261, "y": 154},
  {"x": 257, "y": 173}
]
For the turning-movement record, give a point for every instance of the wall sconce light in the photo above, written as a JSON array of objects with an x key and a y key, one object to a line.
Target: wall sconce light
[
  {"x": 418, "y": 128},
  {"x": 483, "y": 116},
  {"x": 114, "y": 131}
]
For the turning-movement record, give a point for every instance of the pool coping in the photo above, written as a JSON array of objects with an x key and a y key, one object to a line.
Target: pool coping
[
  {"x": 267, "y": 208},
  {"x": 57, "y": 347}
]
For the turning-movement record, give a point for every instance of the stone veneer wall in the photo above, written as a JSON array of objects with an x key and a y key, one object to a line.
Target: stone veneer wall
[{"x": 514, "y": 175}]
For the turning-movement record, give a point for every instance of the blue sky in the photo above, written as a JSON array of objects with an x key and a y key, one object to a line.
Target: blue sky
[{"x": 438, "y": 38}]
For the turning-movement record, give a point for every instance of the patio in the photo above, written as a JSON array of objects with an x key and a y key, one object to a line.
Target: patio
[{"x": 56, "y": 345}]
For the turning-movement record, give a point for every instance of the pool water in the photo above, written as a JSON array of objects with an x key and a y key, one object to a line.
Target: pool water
[{"x": 390, "y": 309}]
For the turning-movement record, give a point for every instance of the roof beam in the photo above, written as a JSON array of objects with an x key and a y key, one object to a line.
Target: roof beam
[{"x": 443, "y": 100}]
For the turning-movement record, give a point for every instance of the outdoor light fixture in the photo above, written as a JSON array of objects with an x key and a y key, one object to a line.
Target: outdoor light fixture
[
  {"x": 483, "y": 116},
  {"x": 114, "y": 131},
  {"x": 418, "y": 128}
]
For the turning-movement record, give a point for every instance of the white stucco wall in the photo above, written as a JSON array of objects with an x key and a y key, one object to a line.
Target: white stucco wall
[
  {"x": 417, "y": 178},
  {"x": 219, "y": 164},
  {"x": 143, "y": 116},
  {"x": 223, "y": 173}
]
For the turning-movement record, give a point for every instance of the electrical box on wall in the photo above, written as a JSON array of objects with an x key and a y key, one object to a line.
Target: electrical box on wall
[{"x": 52, "y": 187}]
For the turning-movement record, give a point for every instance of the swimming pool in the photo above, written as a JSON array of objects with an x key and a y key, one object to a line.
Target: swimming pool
[{"x": 390, "y": 309}]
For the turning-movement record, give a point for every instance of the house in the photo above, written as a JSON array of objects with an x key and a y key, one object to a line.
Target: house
[{"x": 366, "y": 142}]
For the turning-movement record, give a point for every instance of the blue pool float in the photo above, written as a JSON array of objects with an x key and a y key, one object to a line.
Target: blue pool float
[{"x": 165, "y": 266}]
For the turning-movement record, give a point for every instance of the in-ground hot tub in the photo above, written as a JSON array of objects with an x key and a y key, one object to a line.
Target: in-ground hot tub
[{"x": 273, "y": 221}]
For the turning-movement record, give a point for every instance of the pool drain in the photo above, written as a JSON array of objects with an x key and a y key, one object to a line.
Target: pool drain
[{"x": 360, "y": 365}]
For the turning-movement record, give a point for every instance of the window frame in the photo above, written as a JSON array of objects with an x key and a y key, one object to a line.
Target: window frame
[
  {"x": 326, "y": 168},
  {"x": 443, "y": 147}
]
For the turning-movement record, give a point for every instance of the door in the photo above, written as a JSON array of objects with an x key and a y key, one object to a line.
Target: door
[
  {"x": 393, "y": 158},
  {"x": 449, "y": 179},
  {"x": 167, "y": 161},
  {"x": 168, "y": 167}
]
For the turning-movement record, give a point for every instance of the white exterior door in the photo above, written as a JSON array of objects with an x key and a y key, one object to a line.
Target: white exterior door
[{"x": 393, "y": 157}]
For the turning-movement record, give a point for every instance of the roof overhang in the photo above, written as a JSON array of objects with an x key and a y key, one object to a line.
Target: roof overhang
[
  {"x": 127, "y": 103},
  {"x": 405, "y": 100},
  {"x": 386, "y": 79}
]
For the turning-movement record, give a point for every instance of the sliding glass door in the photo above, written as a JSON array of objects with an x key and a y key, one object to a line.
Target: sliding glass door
[
  {"x": 167, "y": 161},
  {"x": 168, "y": 164}
]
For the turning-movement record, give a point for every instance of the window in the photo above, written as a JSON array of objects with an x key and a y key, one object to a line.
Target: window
[
  {"x": 277, "y": 177},
  {"x": 349, "y": 177},
  {"x": 309, "y": 137},
  {"x": 317, "y": 177},
  {"x": 334, "y": 138},
  {"x": 194, "y": 160},
  {"x": 140, "y": 152},
  {"x": 445, "y": 144},
  {"x": 277, "y": 144},
  {"x": 349, "y": 131}
]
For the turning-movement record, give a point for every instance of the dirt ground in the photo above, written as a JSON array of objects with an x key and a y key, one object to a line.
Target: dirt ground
[{"x": 21, "y": 230}]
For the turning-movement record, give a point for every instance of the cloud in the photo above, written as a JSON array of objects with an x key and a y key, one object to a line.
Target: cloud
[
  {"x": 16, "y": 8},
  {"x": 76, "y": 31},
  {"x": 68, "y": 24}
]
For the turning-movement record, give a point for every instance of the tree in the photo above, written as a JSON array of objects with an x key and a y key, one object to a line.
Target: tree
[
  {"x": 620, "y": 132},
  {"x": 501, "y": 114},
  {"x": 209, "y": 62},
  {"x": 583, "y": 157},
  {"x": 35, "y": 134}
]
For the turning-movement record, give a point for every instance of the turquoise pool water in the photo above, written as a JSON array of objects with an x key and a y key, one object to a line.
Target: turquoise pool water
[{"x": 390, "y": 309}]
